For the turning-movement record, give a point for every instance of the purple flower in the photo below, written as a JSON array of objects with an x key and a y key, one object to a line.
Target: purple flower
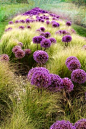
[
  {"x": 42, "y": 29},
  {"x": 66, "y": 38},
  {"x": 69, "y": 59},
  {"x": 28, "y": 27},
  {"x": 68, "y": 23},
  {"x": 67, "y": 84},
  {"x": 62, "y": 125},
  {"x": 47, "y": 22},
  {"x": 53, "y": 40},
  {"x": 22, "y": 21},
  {"x": 21, "y": 27},
  {"x": 47, "y": 34},
  {"x": 80, "y": 124},
  {"x": 16, "y": 21},
  {"x": 46, "y": 43},
  {"x": 4, "y": 57},
  {"x": 27, "y": 20},
  {"x": 42, "y": 34},
  {"x": 10, "y": 28},
  {"x": 27, "y": 51},
  {"x": 78, "y": 76},
  {"x": 10, "y": 22},
  {"x": 40, "y": 56},
  {"x": 55, "y": 24},
  {"x": 33, "y": 70},
  {"x": 15, "y": 49},
  {"x": 19, "y": 54},
  {"x": 41, "y": 79},
  {"x": 38, "y": 39},
  {"x": 20, "y": 44},
  {"x": 55, "y": 83}
]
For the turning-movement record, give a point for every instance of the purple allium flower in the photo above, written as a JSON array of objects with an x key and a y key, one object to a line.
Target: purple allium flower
[
  {"x": 53, "y": 40},
  {"x": 40, "y": 56},
  {"x": 73, "y": 31},
  {"x": 55, "y": 24},
  {"x": 69, "y": 59},
  {"x": 74, "y": 64},
  {"x": 22, "y": 21},
  {"x": 80, "y": 124},
  {"x": 66, "y": 38},
  {"x": 42, "y": 20},
  {"x": 16, "y": 21},
  {"x": 33, "y": 70},
  {"x": 47, "y": 34},
  {"x": 42, "y": 34},
  {"x": 28, "y": 27},
  {"x": 10, "y": 22},
  {"x": 62, "y": 125},
  {"x": 67, "y": 84},
  {"x": 84, "y": 47},
  {"x": 38, "y": 39},
  {"x": 27, "y": 51},
  {"x": 4, "y": 57},
  {"x": 46, "y": 43},
  {"x": 19, "y": 54},
  {"x": 78, "y": 76},
  {"x": 21, "y": 27},
  {"x": 55, "y": 83},
  {"x": 20, "y": 44},
  {"x": 15, "y": 49},
  {"x": 68, "y": 23},
  {"x": 47, "y": 22},
  {"x": 41, "y": 79},
  {"x": 10, "y": 28},
  {"x": 42, "y": 29},
  {"x": 27, "y": 20}
]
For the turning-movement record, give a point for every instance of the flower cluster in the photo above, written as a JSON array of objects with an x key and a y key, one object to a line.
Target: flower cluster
[
  {"x": 80, "y": 124},
  {"x": 4, "y": 57}
]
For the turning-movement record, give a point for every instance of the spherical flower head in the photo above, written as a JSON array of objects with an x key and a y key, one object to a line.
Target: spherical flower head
[
  {"x": 42, "y": 20},
  {"x": 80, "y": 124},
  {"x": 38, "y": 39},
  {"x": 69, "y": 59},
  {"x": 42, "y": 29},
  {"x": 42, "y": 34},
  {"x": 55, "y": 83},
  {"x": 78, "y": 76},
  {"x": 36, "y": 69},
  {"x": 66, "y": 38},
  {"x": 15, "y": 49},
  {"x": 53, "y": 40},
  {"x": 22, "y": 21},
  {"x": 47, "y": 34},
  {"x": 74, "y": 64},
  {"x": 27, "y": 20},
  {"x": 46, "y": 43},
  {"x": 62, "y": 125},
  {"x": 9, "y": 28},
  {"x": 21, "y": 27},
  {"x": 4, "y": 57},
  {"x": 10, "y": 22},
  {"x": 40, "y": 56},
  {"x": 41, "y": 79},
  {"x": 67, "y": 84},
  {"x": 55, "y": 24},
  {"x": 47, "y": 22},
  {"x": 20, "y": 44},
  {"x": 16, "y": 21},
  {"x": 68, "y": 23},
  {"x": 27, "y": 51},
  {"x": 19, "y": 54},
  {"x": 28, "y": 27}
]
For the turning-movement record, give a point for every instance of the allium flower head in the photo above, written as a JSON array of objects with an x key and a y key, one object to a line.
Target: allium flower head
[
  {"x": 80, "y": 124},
  {"x": 33, "y": 70},
  {"x": 67, "y": 84},
  {"x": 47, "y": 22},
  {"x": 4, "y": 57},
  {"x": 62, "y": 125},
  {"x": 46, "y": 43},
  {"x": 68, "y": 23},
  {"x": 16, "y": 21},
  {"x": 55, "y": 24},
  {"x": 38, "y": 39},
  {"x": 47, "y": 34},
  {"x": 19, "y": 54},
  {"x": 66, "y": 38},
  {"x": 15, "y": 49},
  {"x": 55, "y": 83},
  {"x": 42, "y": 29},
  {"x": 27, "y": 20},
  {"x": 78, "y": 76},
  {"x": 74, "y": 64},
  {"x": 22, "y": 21},
  {"x": 9, "y": 28},
  {"x": 40, "y": 56},
  {"x": 21, "y": 27},
  {"x": 27, "y": 51},
  {"x": 10, "y": 22},
  {"x": 53, "y": 40},
  {"x": 41, "y": 79},
  {"x": 28, "y": 27},
  {"x": 20, "y": 44}
]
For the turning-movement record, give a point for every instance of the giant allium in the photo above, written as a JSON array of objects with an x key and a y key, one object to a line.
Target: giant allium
[
  {"x": 69, "y": 59},
  {"x": 66, "y": 38},
  {"x": 4, "y": 57},
  {"x": 80, "y": 124},
  {"x": 78, "y": 76},
  {"x": 53, "y": 40},
  {"x": 47, "y": 34},
  {"x": 27, "y": 51},
  {"x": 19, "y": 54},
  {"x": 68, "y": 23},
  {"x": 41, "y": 79},
  {"x": 55, "y": 24},
  {"x": 33, "y": 70},
  {"x": 67, "y": 84},
  {"x": 74, "y": 64},
  {"x": 38, "y": 39},
  {"x": 16, "y": 48},
  {"x": 42, "y": 29},
  {"x": 55, "y": 83},
  {"x": 46, "y": 43},
  {"x": 40, "y": 56},
  {"x": 62, "y": 125}
]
